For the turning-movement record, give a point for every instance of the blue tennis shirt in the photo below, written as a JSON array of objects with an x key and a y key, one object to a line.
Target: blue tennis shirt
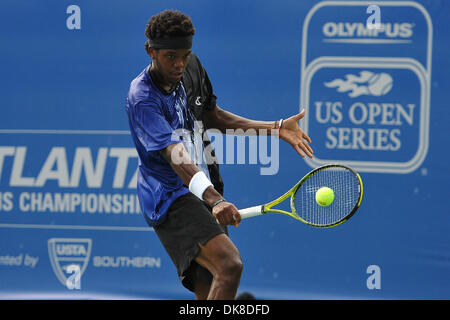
[{"x": 155, "y": 119}]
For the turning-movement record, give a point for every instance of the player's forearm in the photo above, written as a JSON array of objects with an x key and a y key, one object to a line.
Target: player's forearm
[
  {"x": 222, "y": 120},
  {"x": 181, "y": 163}
]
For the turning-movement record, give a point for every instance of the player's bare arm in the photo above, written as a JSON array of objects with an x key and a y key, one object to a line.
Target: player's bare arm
[
  {"x": 290, "y": 131},
  {"x": 225, "y": 212}
]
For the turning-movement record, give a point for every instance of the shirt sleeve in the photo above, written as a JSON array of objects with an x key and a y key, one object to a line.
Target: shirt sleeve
[
  {"x": 152, "y": 129},
  {"x": 210, "y": 103},
  {"x": 205, "y": 86}
]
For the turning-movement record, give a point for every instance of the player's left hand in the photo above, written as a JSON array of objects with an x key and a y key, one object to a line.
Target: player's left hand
[{"x": 292, "y": 133}]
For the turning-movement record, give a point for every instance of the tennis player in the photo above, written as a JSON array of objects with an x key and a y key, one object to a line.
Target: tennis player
[{"x": 180, "y": 189}]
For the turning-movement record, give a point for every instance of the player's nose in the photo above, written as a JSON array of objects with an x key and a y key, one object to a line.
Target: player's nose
[{"x": 179, "y": 64}]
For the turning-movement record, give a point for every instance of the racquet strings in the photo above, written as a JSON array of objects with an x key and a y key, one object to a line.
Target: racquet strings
[{"x": 346, "y": 189}]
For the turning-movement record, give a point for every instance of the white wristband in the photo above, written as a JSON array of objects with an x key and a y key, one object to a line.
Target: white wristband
[{"x": 198, "y": 184}]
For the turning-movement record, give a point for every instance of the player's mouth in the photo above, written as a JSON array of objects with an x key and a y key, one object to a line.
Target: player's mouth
[{"x": 176, "y": 75}]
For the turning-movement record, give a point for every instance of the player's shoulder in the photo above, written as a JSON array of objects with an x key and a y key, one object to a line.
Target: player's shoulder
[
  {"x": 194, "y": 58},
  {"x": 138, "y": 85},
  {"x": 194, "y": 64},
  {"x": 141, "y": 92}
]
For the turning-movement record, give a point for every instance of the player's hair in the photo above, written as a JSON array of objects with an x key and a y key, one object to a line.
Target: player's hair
[{"x": 169, "y": 23}]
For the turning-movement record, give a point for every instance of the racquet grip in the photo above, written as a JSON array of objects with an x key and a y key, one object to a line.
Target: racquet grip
[{"x": 251, "y": 212}]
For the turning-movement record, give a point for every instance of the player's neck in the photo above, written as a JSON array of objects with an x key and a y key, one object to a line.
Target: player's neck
[{"x": 159, "y": 80}]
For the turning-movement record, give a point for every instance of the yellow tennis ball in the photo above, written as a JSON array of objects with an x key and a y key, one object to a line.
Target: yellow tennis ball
[{"x": 324, "y": 196}]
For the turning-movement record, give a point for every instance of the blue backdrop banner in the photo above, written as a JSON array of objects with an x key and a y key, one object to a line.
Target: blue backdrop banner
[{"x": 370, "y": 75}]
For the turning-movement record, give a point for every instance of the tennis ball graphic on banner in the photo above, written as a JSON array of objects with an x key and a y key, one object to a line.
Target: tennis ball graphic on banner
[
  {"x": 324, "y": 196},
  {"x": 380, "y": 84}
]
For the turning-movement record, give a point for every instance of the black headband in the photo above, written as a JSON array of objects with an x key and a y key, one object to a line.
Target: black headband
[{"x": 171, "y": 43}]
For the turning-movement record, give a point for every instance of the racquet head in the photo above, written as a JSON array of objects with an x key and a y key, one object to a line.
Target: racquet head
[{"x": 348, "y": 190}]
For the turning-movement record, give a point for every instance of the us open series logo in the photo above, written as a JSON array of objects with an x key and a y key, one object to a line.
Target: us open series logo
[{"x": 367, "y": 90}]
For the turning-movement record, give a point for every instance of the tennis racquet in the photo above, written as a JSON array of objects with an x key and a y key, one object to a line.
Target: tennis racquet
[{"x": 344, "y": 181}]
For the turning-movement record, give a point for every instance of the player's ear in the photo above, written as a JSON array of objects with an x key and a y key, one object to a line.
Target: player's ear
[
  {"x": 149, "y": 49},
  {"x": 151, "y": 52}
]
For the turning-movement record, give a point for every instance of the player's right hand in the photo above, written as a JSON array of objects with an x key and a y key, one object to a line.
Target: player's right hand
[{"x": 226, "y": 214}]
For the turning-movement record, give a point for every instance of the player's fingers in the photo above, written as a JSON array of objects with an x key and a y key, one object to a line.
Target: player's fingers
[
  {"x": 296, "y": 147},
  {"x": 223, "y": 220},
  {"x": 218, "y": 214},
  {"x": 231, "y": 220},
  {"x": 225, "y": 216},
  {"x": 305, "y": 149},
  {"x": 306, "y": 137},
  {"x": 300, "y": 115},
  {"x": 309, "y": 148},
  {"x": 237, "y": 218}
]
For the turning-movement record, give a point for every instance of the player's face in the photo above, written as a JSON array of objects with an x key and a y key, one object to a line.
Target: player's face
[{"x": 170, "y": 64}]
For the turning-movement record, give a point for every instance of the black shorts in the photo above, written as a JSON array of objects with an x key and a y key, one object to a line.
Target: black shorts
[{"x": 189, "y": 222}]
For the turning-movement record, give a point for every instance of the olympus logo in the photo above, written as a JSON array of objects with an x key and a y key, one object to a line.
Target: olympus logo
[{"x": 360, "y": 30}]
